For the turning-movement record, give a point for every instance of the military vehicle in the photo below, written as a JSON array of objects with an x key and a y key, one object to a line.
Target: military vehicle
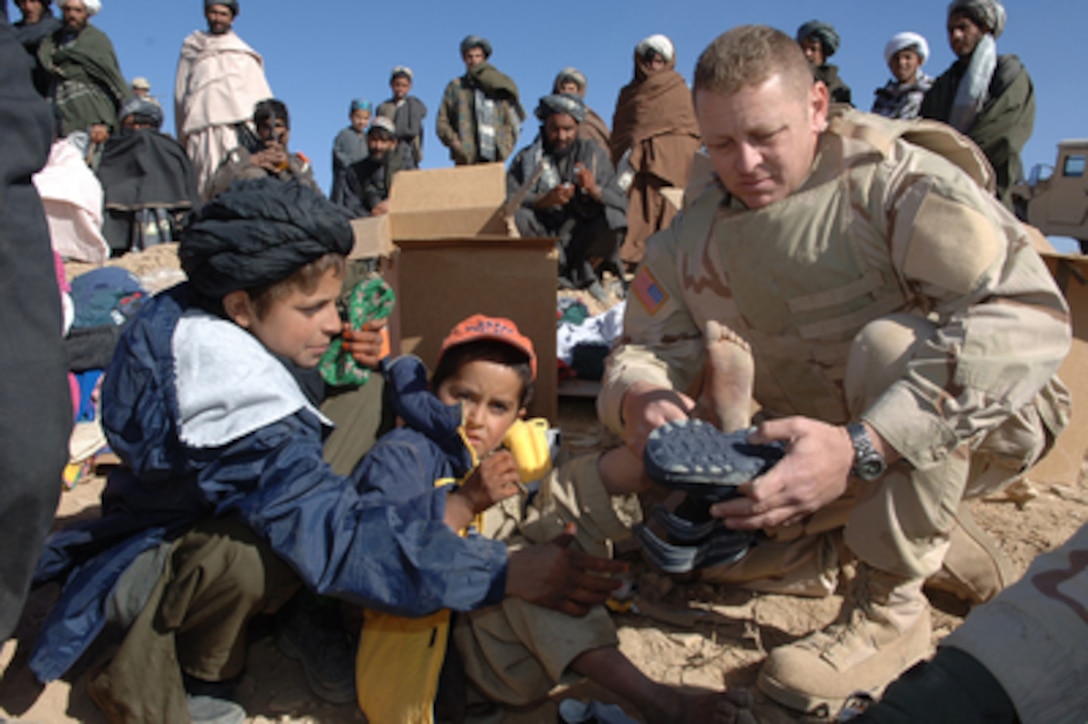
[{"x": 1055, "y": 198}]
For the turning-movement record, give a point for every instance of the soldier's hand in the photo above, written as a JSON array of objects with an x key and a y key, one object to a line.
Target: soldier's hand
[
  {"x": 647, "y": 407},
  {"x": 555, "y": 576},
  {"x": 813, "y": 473},
  {"x": 365, "y": 345}
]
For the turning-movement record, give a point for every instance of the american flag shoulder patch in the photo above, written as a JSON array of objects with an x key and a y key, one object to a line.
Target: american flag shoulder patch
[{"x": 648, "y": 292}]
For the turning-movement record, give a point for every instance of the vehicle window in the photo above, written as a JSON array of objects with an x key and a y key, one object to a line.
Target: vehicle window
[{"x": 1074, "y": 166}]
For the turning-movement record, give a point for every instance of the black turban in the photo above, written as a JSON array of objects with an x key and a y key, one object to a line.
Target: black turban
[
  {"x": 573, "y": 106},
  {"x": 232, "y": 4},
  {"x": 260, "y": 232}
]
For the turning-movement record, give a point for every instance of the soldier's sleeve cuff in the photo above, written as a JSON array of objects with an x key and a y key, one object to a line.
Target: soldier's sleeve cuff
[{"x": 910, "y": 427}]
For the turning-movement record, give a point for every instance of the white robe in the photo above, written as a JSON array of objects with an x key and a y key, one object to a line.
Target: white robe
[{"x": 219, "y": 81}]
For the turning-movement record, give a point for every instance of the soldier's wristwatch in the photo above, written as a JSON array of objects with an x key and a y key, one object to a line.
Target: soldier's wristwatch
[{"x": 868, "y": 463}]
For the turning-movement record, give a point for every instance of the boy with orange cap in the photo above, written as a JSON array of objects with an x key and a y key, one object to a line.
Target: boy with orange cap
[{"x": 513, "y": 654}]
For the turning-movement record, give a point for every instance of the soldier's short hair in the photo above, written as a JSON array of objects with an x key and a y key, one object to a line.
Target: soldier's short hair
[{"x": 748, "y": 55}]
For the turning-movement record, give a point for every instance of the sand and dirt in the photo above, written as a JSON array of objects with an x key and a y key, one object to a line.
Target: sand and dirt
[{"x": 688, "y": 634}]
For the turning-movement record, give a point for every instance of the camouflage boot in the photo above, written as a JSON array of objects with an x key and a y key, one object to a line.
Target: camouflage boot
[
  {"x": 882, "y": 629},
  {"x": 975, "y": 569}
]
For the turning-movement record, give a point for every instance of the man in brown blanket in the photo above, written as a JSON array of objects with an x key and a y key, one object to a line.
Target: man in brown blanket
[{"x": 654, "y": 139}]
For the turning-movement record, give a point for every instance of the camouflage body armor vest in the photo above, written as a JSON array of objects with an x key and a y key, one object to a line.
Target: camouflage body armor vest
[{"x": 805, "y": 274}]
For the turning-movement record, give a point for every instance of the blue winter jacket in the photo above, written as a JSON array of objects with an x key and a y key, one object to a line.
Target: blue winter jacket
[
  {"x": 208, "y": 423},
  {"x": 404, "y": 465}
]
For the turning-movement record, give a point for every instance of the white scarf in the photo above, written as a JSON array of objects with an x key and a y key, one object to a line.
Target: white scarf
[{"x": 973, "y": 91}]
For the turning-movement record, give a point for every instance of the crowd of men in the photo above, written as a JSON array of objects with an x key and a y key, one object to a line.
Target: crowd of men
[
  {"x": 879, "y": 301},
  {"x": 221, "y": 80}
]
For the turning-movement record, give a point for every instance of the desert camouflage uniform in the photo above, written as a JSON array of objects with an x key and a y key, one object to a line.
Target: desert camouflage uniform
[
  {"x": 882, "y": 229},
  {"x": 1032, "y": 637}
]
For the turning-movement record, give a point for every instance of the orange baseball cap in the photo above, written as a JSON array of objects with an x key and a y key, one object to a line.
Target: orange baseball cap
[{"x": 500, "y": 329}]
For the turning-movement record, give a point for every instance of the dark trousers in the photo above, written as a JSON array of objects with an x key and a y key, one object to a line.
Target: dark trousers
[{"x": 587, "y": 247}]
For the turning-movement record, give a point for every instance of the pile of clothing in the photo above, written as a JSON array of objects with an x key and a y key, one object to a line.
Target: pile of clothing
[
  {"x": 103, "y": 300},
  {"x": 583, "y": 341}
]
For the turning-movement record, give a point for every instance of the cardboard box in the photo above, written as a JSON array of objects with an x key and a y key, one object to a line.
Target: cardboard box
[
  {"x": 1063, "y": 463},
  {"x": 464, "y": 201},
  {"x": 450, "y": 258}
]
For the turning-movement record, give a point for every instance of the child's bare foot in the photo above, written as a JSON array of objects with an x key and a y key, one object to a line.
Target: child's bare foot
[
  {"x": 659, "y": 703},
  {"x": 673, "y": 706},
  {"x": 726, "y": 400}
]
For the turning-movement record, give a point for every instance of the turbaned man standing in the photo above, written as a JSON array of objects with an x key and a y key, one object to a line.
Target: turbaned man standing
[
  {"x": 85, "y": 80},
  {"x": 219, "y": 81}
]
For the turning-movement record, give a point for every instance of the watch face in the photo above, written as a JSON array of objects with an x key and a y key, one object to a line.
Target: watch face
[{"x": 870, "y": 468}]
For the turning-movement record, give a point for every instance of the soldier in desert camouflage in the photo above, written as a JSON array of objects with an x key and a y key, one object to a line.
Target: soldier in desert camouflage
[{"x": 894, "y": 324}]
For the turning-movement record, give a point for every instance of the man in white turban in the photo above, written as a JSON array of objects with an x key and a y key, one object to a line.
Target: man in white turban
[
  {"x": 901, "y": 97},
  {"x": 987, "y": 96},
  {"x": 85, "y": 79}
]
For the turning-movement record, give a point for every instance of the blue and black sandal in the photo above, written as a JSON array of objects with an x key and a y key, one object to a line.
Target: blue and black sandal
[
  {"x": 708, "y": 465},
  {"x": 700, "y": 459},
  {"x": 720, "y": 546}
]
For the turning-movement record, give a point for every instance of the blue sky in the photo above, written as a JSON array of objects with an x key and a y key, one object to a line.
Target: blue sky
[{"x": 319, "y": 55}]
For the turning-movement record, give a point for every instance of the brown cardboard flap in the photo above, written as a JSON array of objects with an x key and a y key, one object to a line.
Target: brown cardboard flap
[
  {"x": 1063, "y": 463},
  {"x": 372, "y": 237},
  {"x": 463, "y": 201},
  {"x": 448, "y": 202}
]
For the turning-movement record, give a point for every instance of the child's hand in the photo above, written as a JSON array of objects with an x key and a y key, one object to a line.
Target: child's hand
[
  {"x": 365, "y": 345},
  {"x": 494, "y": 480}
]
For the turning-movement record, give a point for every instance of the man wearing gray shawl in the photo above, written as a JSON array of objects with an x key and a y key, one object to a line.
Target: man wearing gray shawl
[
  {"x": 987, "y": 96},
  {"x": 565, "y": 186},
  {"x": 480, "y": 114}
]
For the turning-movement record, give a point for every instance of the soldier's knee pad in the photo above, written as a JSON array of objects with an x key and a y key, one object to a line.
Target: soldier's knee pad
[{"x": 879, "y": 354}]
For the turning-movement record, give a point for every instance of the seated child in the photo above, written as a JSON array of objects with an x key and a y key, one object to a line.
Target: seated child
[
  {"x": 225, "y": 507},
  {"x": 513, "y": 653}
]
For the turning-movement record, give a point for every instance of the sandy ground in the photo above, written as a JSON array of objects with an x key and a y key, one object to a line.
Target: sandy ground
[{"x": 686, "y": 634}]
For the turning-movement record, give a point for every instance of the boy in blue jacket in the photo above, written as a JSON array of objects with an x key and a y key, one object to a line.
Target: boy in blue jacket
[
  {"x": 224, "y": 506},
  {"x": 513, "y": 652}
]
